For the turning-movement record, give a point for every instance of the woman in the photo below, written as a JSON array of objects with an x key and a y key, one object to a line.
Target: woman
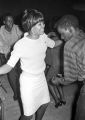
[{"x": 31, "y": 50}]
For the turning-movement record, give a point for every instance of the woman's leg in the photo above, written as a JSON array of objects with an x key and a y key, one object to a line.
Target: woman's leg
[
  {"x": 40, "y": 112},
  {"x": 61, "y": 93},
  {"x": 49, "y": 76},
  {"x": 54, "y": 93}
]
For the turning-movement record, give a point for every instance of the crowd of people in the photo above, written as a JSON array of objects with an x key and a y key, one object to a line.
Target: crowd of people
[{"x": 27, "y": 49}]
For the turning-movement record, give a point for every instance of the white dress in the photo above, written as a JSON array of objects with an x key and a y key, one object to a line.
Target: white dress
[{"x": 33, "y": 85}]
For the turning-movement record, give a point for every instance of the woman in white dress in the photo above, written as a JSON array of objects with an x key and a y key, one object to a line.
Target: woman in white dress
[{"x": 31, "y": 51}]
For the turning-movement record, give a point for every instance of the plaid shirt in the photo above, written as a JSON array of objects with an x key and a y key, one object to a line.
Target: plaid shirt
[{"x": 74, "y": 58}]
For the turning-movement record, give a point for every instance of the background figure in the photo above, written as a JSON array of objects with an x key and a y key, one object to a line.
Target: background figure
[
  {"x": 74, "y": 58},
  {"x": 9, "y": 34},
  {"x": 56, "y": 68}
]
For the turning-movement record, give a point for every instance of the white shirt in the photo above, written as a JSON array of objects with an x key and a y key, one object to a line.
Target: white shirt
[{"x": 31, "y": 53}]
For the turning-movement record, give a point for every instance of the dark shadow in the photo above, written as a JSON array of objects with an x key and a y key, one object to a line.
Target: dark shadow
[
  {"x": 18, "y": 88},
  {"x": 74, "y": 104}
]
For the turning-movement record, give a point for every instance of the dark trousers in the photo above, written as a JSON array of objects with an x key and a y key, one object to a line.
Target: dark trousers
[
  {"x": 13, "y": 78},
  {"x": 13, "y": 75},
  {"x": 80, "y": 109},
  {"x": 2, "y": 59}
]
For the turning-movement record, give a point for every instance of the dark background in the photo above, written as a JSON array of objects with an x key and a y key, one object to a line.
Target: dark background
[{"x": 50, "y": 8}]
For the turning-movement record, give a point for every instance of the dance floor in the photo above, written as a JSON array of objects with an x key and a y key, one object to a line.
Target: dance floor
[{"x": 11, "y": 110}]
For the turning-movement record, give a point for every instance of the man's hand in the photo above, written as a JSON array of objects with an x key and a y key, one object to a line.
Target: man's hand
[
  {"x": 52, "y": 34},
  {"x": 57, "y": 80},
  {"x": 60, "y": 81}
]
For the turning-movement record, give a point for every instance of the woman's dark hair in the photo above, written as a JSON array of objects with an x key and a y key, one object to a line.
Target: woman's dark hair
[{"x": 31, "y": 18}]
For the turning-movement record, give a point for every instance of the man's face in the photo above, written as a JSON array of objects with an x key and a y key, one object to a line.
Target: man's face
[
  {"x": 9, "y": 22},
  {"x": 66, "y": 34}
]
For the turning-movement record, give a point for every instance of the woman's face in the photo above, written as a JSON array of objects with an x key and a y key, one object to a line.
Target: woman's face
[{"x": 39, "y": 28}]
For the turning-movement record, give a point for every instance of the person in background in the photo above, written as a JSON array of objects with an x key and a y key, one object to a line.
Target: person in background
[
  {"x": 56, "y": 70},
  {"x": 74, "y": 58},
  {"x": 9, "y": 34},
  {"x": 31, "y": 50}
]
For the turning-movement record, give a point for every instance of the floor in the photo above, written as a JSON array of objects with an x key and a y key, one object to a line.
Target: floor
[
  {"x": 12, "y": 109},
  {"x": 64, "y": 112}
]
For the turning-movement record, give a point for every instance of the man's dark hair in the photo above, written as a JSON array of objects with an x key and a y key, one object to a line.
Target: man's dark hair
[
  {"x": 7, "y": 15},
  {"x": 67, "y": 21}
]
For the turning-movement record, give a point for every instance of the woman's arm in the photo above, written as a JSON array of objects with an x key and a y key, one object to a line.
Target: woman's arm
[
  {"x": 5, "y": 69},
  {"x": 58, "y": 42},
  {"x": 53, "y": 36}
]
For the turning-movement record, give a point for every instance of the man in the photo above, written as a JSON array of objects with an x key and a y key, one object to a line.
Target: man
[
  {"x": 9, "y": 34},
  {"x": 74, "y": 58}
]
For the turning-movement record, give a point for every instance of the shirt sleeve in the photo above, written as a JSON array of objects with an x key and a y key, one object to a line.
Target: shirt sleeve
[
  {"x": 15, "y": 56},
  {"x": 82, "y": 72},
  {"x": 50, "y": 43}
]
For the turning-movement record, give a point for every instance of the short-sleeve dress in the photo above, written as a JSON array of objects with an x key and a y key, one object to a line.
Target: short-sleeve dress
[{"x": 33, "y": 85}]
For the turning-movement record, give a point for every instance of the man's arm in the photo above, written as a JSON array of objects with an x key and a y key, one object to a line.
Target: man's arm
[
  {"x": 52, "y": 34},
  {"x": 62, "y": 81}
]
